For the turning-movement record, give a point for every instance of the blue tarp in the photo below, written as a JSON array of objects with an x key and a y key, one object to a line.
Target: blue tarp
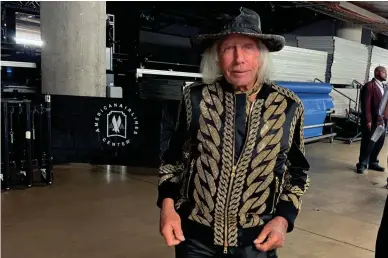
[{"x": 316, "y": 101}]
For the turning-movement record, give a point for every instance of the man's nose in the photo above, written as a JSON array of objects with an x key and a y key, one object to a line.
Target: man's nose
[{"x": 239, "y": 55}]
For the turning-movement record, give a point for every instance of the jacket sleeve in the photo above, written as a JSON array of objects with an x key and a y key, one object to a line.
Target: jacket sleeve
[
  {"x": 383, "y": 103},
  {"x": 368, "y": 103},
  {"x": 172, "y": 160},
  {"x": 296, "y": 180}
]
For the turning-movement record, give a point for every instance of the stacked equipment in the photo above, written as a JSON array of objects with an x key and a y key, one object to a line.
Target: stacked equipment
[{"x": 26, "y": 143}]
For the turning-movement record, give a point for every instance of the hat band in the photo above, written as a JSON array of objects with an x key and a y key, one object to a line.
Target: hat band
[{"x": 235, "y": 26}]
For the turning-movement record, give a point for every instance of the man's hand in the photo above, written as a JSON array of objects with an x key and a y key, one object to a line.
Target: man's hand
[
  {"x": 170, "y": 224},
  {"x": 369, "y": 125},
  {"x": 273, "y": 235},
  {"x": 380, "y": 121}
]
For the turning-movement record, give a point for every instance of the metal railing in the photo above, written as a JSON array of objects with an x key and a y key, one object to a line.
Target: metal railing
[
  {"x": 358, "y": 86},
  {"x": 349, "y": 98}
]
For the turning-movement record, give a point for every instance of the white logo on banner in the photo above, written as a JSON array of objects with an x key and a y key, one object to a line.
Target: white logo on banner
[{"x": 116, "y": 124}]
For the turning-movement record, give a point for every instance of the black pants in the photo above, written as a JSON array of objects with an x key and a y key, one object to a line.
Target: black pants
[
  {"x": 382, "y": 237},
  {"x": 195, "y": 248},
  {"x": 369, "y": 153}
]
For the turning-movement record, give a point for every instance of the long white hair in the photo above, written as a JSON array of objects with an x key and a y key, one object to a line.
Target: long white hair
[{"x": 211, "y": 71}]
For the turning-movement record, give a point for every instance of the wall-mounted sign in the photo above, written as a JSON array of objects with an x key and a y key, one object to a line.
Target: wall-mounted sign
[{"x": 116, "y": 124}]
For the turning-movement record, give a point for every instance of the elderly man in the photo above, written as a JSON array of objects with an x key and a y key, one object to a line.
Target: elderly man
[
  {"x": 233, "y": 176},
  {"x": 370, "y": 100}
]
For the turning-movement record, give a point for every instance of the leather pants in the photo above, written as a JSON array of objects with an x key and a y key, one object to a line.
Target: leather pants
[{"x": 195, "y": 248}]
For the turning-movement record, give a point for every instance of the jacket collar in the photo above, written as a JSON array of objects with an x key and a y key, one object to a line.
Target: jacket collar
[
  {"x": 377, "y": 81},
  {"x": 229, "y": 87}
]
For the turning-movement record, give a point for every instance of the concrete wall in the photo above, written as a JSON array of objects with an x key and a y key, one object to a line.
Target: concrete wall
[
  {"x": 332, "y": 28},
  {"x": 320, "y": 28},
  {"x": 348, "y": 31},
  {"x": 73, "y": 54}
]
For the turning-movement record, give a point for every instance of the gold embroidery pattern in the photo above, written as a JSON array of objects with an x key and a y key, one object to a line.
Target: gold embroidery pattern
[
  {"x": 287, "y": 93},
  {"x": 189, "y": 109},
  {"x": 227, "y": 163},
  {"x": 168, "y": 169},
  {"x": 211, "y": 109},
  {"x": 241, "y": 171},
  {"x": 301, "y": 130},
  {"x": 170, "y": 172},
  {"x": 297, "y": 116},
  {"x": 293, "y": 193},
  {"x": 271, "y": 97},
  {"x": 263, "y": 164},
  {"x": 187, "y": 145},
  {"x": 185, "y": 185},
  {"x": 164, "y": 178}
]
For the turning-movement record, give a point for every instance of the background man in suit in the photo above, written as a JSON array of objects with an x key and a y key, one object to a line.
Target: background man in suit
[{"x": 371, "y": 96}]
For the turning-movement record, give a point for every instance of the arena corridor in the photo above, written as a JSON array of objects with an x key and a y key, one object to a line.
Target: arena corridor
[{"x": 104, "y": 211}]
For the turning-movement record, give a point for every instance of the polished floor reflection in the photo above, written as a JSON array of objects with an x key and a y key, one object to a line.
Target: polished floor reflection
[{"x": 109, "y": 211}]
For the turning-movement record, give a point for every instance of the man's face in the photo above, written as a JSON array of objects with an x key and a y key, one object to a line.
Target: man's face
[
  {"x": 239, "y": 60},
  {"x": 383, "y": 74}
]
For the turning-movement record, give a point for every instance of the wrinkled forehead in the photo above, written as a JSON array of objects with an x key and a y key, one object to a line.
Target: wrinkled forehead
[{"x": 234, "y": 39}]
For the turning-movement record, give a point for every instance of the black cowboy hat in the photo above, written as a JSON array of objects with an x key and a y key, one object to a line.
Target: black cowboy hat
[{"x": 246, "y": 23}]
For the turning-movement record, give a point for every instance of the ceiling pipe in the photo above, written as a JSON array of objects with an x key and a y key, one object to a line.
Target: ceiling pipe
[
  {"x": 353, "y": 14},
  {"x": 356, "y": 9}
]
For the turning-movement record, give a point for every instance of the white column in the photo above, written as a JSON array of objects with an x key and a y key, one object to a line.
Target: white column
[
  {"x": 349, "y": 31},
  {"x": 73, "y": 51}
]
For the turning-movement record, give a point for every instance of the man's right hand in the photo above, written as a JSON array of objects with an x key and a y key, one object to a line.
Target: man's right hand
[
  {"x": 380, "y": 121},
  {"x": 369, "y": 125},
  {"x": 170, "y": 224}
]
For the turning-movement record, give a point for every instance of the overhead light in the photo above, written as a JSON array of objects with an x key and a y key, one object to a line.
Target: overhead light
[{"x": 31, "y": 42}]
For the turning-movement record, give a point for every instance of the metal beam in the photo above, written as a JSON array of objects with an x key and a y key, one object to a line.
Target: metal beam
[
  {"x": 140, "y": 72},
  {"x": 318, "y": 125},
  {"x": 313, "y": 139}
]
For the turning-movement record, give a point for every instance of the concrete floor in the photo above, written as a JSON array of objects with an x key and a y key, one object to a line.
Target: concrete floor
[{"x": 99, "y": 212}]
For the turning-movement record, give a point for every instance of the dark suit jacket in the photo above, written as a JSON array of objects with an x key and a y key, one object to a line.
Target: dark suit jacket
[
  {"x": 370, "y": 99},
  {"x": 382, "y": 237}
]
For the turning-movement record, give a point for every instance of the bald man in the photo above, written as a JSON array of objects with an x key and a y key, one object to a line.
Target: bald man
[{"x": 370, "y": 97}]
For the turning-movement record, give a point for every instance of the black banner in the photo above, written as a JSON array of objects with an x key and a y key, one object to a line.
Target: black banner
[{"x": 106, "y": 131}]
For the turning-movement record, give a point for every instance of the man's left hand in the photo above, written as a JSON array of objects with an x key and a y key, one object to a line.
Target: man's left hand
[{"x": 273, "y": 235}]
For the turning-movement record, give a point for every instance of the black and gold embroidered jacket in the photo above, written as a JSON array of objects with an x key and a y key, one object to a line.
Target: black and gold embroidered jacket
[{"x": 230, "y": 166}]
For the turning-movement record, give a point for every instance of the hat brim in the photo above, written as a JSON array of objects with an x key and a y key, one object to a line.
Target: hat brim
[{"x": 274, "y": 43}]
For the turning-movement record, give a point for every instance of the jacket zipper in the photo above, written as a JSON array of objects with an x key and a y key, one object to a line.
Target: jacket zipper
[
  {"x": 226, "y": 209},
  {"x": 232, "y": 176}
]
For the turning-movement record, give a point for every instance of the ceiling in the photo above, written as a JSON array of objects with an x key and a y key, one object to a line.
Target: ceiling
[
  {"x": 155, "y": 15},
  {"x": 272, "y": 13},
  {"x": 377, "y": 7}
]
